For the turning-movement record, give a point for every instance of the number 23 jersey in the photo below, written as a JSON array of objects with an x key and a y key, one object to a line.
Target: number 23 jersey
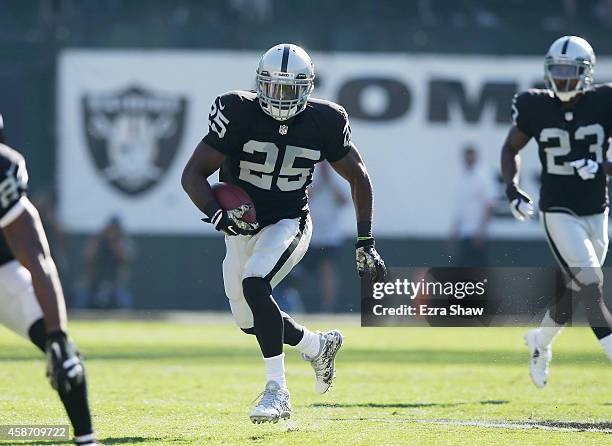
[
  {"x": 565, "y": 134},
  {"x": 273, "y": 160}
]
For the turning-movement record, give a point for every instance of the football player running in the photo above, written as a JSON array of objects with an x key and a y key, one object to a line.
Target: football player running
[
  {"x": 571, "y": 121},
  {"x": 268, "y": 142},
  {"x": 31, "y": 297}
]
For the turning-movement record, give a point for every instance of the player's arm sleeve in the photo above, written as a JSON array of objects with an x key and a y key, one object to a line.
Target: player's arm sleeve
[
  {"x": 13, "y": 187},
  {"x": 339, "y": 138},
  {"x": 522, "y": 106},
  {"x": 224, "y": 124}
]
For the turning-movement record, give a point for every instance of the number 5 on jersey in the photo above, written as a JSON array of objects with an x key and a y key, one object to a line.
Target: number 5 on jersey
[{"x": 262, "y": 175}]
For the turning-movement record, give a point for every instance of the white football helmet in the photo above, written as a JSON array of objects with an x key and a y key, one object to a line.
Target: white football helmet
[
  {"x": 285, "y": 79},
  {"x": 568, "y": 67}
]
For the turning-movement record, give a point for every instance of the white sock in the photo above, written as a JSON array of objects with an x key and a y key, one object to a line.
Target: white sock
[
  {"x": 548, "y": 330},
  {"x": 275, "y": 370},
  {"x": 87, "y": 439},
  {"x": 310, "y": 343},
  {"x": 606, "y": 344}
]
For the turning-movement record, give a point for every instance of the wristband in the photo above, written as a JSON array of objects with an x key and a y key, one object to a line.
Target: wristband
[{"x": 211, "y": 208}]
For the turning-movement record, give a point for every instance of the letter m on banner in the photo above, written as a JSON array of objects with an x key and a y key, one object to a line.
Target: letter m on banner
[{"x": 447, "y": 93}]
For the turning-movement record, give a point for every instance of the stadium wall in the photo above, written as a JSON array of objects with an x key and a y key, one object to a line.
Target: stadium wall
[
  {"x": 184, "y": 272},
  {"x": 411, "y": 117}
]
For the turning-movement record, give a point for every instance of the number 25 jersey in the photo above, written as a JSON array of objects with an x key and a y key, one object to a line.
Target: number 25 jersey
[
  {"x": 564, "y": 134},
  {"x": 272, "y": 160}
]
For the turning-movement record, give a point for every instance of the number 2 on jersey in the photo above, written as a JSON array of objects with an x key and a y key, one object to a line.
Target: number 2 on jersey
[
  {"x": 261, "y": 175},
  {"x": 564, "y": 147}
]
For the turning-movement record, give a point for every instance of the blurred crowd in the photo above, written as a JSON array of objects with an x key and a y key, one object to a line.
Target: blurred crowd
[
  {"x": 421, "y": 25},
  {"x": 101, "y": 268}
]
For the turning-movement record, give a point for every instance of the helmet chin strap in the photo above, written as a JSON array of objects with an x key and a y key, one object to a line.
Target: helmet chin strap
[
  {"x": 566, "y": 96},
  {"x": 281, "y": 114}
]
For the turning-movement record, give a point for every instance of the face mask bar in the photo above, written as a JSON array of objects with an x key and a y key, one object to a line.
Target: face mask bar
[
  {"x": 567, "y": 78},
  {"x": 283, "y": 98}
]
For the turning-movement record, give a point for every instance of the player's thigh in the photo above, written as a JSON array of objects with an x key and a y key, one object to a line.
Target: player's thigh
[
  {"x": 19, "y": 308},
  {"x": 278, "y": 248},
  {"x": 570, "y": 241},
  {"x": 233, "y": 265}
]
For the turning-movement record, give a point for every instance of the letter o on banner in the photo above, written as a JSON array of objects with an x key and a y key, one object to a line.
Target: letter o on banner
[{"x": 375, "y": 98}]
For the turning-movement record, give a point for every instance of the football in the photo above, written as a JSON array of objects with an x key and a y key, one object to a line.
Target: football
[{"x": 231, "y": 196}]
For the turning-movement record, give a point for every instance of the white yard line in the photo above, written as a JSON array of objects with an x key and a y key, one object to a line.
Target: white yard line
[
  {"x": 198, "y": 317},
  {"x": 565, "y": 426}
]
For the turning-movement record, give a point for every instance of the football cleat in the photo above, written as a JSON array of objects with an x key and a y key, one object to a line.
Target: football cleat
[
  {"x": 273, "y": 405},
  {"x": 539, "y": 360},
  {"x": 324, "y": 363}
]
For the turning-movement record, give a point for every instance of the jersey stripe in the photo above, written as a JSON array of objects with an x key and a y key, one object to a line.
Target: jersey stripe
[
  {"x": 565, "y": 44},
  {"x": 285, "y": 59}
]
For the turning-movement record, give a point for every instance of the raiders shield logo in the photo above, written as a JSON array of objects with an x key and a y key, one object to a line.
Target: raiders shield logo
[{"x": 133, "y": 135}]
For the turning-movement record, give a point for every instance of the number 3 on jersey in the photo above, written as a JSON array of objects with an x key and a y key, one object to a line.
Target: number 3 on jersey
[
  {"x": 262, "y": 175},
  {"x": 564, "y": 147}
]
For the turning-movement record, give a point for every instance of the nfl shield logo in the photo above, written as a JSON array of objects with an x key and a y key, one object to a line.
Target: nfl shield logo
[
  {"x": 133, "y": 135},
  {"x": 283, "y": 129}
]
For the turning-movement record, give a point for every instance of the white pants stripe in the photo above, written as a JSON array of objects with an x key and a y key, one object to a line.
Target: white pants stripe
[{"x": 271, "y": 254}]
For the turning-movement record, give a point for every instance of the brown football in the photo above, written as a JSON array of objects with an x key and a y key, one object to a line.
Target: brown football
[{"x": 231, "y": 196}]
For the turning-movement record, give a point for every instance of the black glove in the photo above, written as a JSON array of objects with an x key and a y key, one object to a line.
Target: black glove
[
  {"x": 64, "y": 367},
  {"x": 231, "y": 221},
  {"x": 521, "y": 204},
  {"x": 369, "y": 261}
]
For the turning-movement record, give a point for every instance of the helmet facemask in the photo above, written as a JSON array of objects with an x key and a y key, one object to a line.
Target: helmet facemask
[
  {"x": 567, "y": 77},
  {"x": 283, "y": 95}
]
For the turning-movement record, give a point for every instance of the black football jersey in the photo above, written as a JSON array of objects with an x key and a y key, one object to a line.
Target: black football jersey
[
  {"x": 564, "y": 134},
  {"x": 13, "y": 185},
  {"x": 273, "y": 160}
]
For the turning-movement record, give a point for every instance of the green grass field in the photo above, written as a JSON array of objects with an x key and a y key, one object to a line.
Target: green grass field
[{"x": 166, "y": 383}]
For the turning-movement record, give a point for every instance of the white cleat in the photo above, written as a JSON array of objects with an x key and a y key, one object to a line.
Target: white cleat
[
  {"x": 324, "y": 363},
  {"x": 273, "y": 405},
  {"x": 539, "y": 360}
]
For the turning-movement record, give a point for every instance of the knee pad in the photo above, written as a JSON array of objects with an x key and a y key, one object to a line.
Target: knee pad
[{"x": 256, "y": 290}]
